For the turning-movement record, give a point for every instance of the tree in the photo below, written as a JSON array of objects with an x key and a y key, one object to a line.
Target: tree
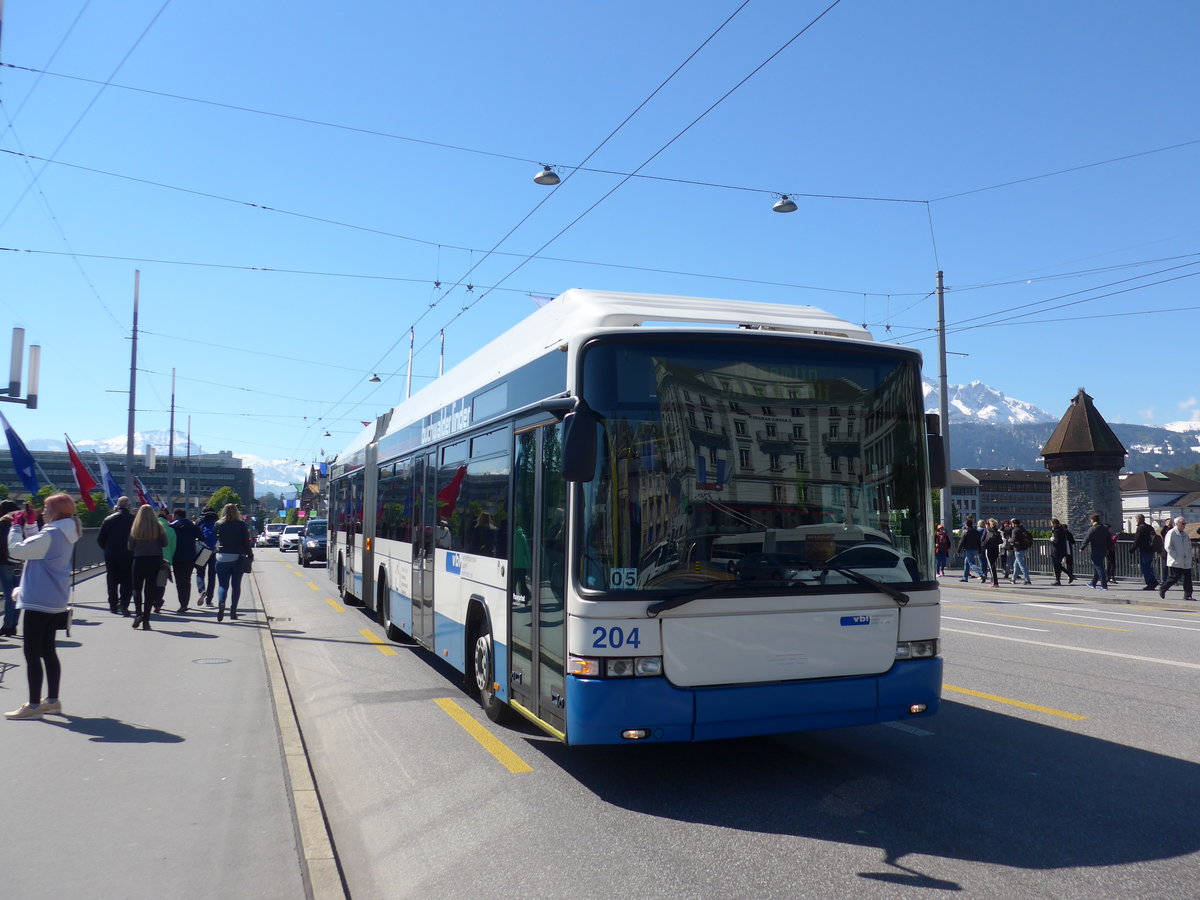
[
  {"x": 223, "y": 496},
  {"x": 89, "y": 518}
]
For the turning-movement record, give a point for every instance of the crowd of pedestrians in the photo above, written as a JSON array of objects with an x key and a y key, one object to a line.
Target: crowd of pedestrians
[
  {"x": 143, "y": 553},
  {"x": 995, "y": 551}
]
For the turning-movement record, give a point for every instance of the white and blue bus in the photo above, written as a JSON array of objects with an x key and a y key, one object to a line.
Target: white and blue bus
[{"x": 646, "y": 518}]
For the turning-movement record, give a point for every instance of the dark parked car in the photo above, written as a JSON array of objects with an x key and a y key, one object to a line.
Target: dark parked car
[{"x": 312, "y": 542}]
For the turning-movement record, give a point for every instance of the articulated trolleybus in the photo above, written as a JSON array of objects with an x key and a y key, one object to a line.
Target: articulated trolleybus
[{"x": 646, "y": 518}]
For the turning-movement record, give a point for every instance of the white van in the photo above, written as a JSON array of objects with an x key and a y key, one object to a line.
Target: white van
[{"x": 273, "y": 530}]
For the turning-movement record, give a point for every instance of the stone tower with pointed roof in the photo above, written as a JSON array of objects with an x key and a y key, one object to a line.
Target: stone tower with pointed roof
[{"x": 1083, "y": 457}]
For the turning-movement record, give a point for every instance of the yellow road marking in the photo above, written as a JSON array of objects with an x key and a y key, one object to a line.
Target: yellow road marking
[
  {"x": 1053, "y": 621},
  {"x": 300, "y": 574},
  {"x": 487, "y": 740},
  {"x": 380, "y": 644},
  {"x": 1020, "y": 703},
  {"x": 337, "y": 607}
]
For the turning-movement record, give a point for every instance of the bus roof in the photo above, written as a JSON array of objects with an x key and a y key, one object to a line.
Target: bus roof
[{"x": 578, "y": 311}]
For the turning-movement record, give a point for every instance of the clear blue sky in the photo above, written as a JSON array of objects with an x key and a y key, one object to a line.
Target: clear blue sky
[{"x": 912, "y": 101}]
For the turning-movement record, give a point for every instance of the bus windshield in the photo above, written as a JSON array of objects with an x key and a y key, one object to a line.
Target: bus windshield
[{"x": 747, "y": 458}]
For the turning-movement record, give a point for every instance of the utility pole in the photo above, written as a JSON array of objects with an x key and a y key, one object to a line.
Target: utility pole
[
  {"x": 944, "y": 405},
  {"x": 171, "y": 452},
  {"x": 129, "y": 490}
]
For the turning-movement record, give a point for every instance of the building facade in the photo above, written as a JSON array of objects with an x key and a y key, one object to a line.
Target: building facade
[{"x": 193, "y": 479}]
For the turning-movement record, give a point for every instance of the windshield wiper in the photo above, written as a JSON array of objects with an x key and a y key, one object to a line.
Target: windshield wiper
[
  {"x": 754, "y": 587},
  {"x": 710, "y": 590},
  {"x": 896, "y": 594}
]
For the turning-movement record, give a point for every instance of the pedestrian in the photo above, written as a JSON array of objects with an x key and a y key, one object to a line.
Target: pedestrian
[
  {"x": 1179, "y": 560},
  {"x": 113, "y": 539},
  {"x": 146, "y": 542},
  {"x": 1022, "y": 540},
  {"x": 1060, "y": 551},
  {"x": 1097, "y": 541},
  {"x": 233, "y": 547},
  {"x": 1165, "y": 527},
  {"x": 941, "y": 549},
  {"x": 1144, "y": 549},
  {"x": 206, "y": 575},
  {"x": 168, "y": 555},
  {"x": 44, "y": 595},
  {"x": 1110, "y": 558},
  {"x": 1006, "y": 547},
  {"x": 186, "y": 536},
  {"x": 11, "y": 613},
  {"x": 989, "y": 543},
  {"x": 968, "y": 546}
]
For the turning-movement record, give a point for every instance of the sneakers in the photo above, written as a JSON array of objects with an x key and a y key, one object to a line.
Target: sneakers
[
  {"x": 50, "y": 708},
  {"x": 25, "y": 712}
]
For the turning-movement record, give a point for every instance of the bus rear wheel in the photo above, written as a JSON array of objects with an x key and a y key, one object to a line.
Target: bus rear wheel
[
  {"x": 384, "y": 608},
  {"x": 485, "y": 676}
]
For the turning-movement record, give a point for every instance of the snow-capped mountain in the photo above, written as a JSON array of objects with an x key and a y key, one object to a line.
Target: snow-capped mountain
[
  {"x": 270, "y": 475},
  {"x": 977, "y": 402},
  {"x": 1183, "y": 427}
]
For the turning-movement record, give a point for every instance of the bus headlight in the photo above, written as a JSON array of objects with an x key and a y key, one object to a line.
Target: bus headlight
[
  {"x": 616, "y": 667},
  {"x": 917, "y": 649}
]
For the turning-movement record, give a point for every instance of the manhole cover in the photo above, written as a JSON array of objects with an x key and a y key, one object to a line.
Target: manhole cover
[{"x": 211, "y": 661}]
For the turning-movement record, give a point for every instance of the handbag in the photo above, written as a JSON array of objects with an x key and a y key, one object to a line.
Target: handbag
[
  {"x": 203, "y": 555},
  {"x": 164, "y": 574},
  {"x": 247, "y": 562}
]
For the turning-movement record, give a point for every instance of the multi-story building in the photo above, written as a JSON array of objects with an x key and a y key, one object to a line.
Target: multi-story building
[
  {"x": 193, "y": 479},
  {"x": 1158, "y": 496},
  {"x": 1002, "y": 494}
]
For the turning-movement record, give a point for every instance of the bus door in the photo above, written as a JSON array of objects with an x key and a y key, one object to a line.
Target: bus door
[
  {"x": 424, "y": 528},
  {"x": 537, "y": 581}
]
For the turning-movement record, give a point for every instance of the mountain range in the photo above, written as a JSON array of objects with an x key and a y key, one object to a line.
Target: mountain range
[
  {"x": 277, "y": 476},
  {"x": 989, "y": 430}
]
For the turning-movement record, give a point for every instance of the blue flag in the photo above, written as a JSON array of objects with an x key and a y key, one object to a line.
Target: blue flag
[
  {"x": 21, "y": 457},
  {"x": 112, "y": 490}
]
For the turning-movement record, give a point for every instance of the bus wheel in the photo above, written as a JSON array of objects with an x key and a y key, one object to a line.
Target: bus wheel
[
  {"x": 384, "y": 608},
  {"x": 485, "y": 676}
]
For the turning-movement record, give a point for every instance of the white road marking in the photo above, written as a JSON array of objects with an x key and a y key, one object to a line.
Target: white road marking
[
  {"x": 1153, "y": 659},
  {"x": 1124, "y": 617},
  {"x": 993, "y": 624}
]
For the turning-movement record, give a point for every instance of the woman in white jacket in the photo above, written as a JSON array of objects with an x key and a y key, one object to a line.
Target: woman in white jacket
[{"x": 44, "y": 594}]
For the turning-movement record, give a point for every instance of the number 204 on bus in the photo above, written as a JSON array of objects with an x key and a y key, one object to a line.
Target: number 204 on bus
[{"x": 647, "y": 518}]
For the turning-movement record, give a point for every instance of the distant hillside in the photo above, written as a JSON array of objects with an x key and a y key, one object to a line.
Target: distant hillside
[{"x": 981, "y": 446}]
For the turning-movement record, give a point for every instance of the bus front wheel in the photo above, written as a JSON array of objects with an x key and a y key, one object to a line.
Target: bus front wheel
[{"x": 485, "y": 676}]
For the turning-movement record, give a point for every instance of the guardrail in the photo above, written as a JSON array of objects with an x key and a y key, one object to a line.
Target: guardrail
[
  {"x": 86, "y": 556},
  {"x": 1129, "y": 568}
]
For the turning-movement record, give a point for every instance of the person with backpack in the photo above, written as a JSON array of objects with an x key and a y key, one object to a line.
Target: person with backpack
[
  {"x": 989, "y": 544},
  {"x": 969, "y": 546},
  {"x": 206, "y": 576},
  {"x": 1146, "y": 545},
  {"x": 1022, "y": 540},
  {"x": 1111, "y": 557},
  {"x": 1097, "y": 541}
]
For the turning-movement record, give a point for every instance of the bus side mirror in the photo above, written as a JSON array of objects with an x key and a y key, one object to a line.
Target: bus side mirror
[
  {"x": 936, "y": 445},
  {"x": 579, "y": 443}
]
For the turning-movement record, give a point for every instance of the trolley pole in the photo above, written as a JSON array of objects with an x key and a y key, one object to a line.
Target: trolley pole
[{"x": 129, "y": 490}]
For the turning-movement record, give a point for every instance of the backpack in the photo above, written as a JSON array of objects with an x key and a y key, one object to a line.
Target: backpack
[
  {"x": 1021, "y": 539},
  {"x": 1156, "y": 543},
  {"x": 208, "y": 532}
]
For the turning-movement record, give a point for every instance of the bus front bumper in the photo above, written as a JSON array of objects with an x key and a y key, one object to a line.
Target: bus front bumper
[{"x": 601, "y": 711}]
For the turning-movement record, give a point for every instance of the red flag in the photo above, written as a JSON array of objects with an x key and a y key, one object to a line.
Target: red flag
[
  {"x": 447, "y": 497},
  {"x": 143, "y": 498},
  {"x": 83, "y": 478}
]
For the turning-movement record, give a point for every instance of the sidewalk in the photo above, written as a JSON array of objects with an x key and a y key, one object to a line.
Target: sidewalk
[
  {"x": 165, "y": 776},
  {"x": 1126, "y": 592}
]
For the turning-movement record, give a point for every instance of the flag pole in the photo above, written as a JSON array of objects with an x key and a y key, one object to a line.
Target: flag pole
[{"x": 171, "y": 452}]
